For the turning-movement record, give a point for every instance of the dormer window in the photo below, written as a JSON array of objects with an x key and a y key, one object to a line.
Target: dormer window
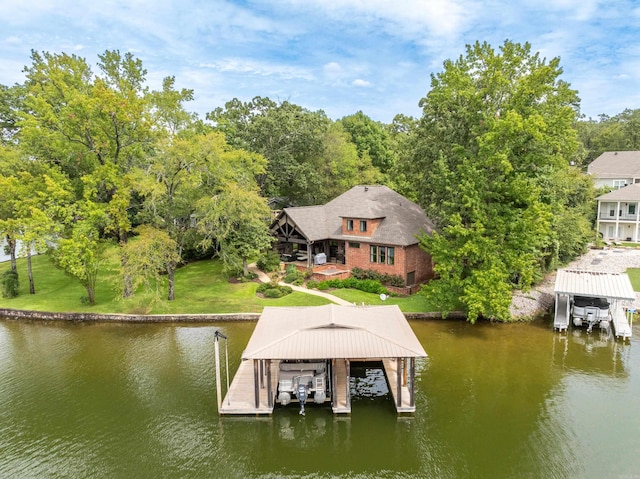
[
  {"x": 363, "y": 226},
  {"x": 349, "y": 225}
]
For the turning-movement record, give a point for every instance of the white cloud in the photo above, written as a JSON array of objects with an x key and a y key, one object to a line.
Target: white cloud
[
  {"x": 361, "y": 83},
  {"x": 253, "y": 67}
]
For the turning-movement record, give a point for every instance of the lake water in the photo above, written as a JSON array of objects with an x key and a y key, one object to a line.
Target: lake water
[{"x": 494, "y": 401}]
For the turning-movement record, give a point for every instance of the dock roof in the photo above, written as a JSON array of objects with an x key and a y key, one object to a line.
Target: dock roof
[
  {"x": 333, "y": 331},
  {"x": 594, "y": 284}
]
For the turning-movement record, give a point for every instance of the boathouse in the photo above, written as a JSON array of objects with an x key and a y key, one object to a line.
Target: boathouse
[
  {"x": 593, "y": 299},
  {"x": 335, "y": 334}
]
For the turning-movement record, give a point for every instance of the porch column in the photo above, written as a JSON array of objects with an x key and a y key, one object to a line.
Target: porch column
[
  {"x": 635, "y": 235},
  {"x": 617, "y": 221}
]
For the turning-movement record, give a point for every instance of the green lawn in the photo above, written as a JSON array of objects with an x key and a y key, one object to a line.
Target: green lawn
[
  {"x": 634, "y": 277},
  {"x": 200, "y": 288}
]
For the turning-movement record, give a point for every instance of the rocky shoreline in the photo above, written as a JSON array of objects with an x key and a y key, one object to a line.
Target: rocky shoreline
[{"x": 540, "y": 299}]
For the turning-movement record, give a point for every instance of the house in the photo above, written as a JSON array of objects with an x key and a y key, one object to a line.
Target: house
[
  {"x": 369, "y": 227},
  {"x": 615, "y": 169},
  {"x": 618, "y": 216}
]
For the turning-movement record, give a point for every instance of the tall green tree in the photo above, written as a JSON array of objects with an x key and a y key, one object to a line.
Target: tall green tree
[
  {"x": 287, "y": 135},
  {"x": 371, "y": 138},
  {"x": 497, "y": 134}
]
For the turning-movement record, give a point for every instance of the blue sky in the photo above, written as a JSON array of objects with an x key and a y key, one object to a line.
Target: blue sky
[{"x": 340, "y": 56}]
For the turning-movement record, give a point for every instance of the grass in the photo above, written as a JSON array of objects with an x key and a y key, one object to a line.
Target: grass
[
  {"x": 410, "y": 304},
  {"x": 634, "y": 277},
  {"x": 200, "y": 288}
]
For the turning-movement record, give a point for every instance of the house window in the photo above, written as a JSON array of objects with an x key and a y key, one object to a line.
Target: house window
[
  {"x": 363, "y": 226},
  {"x": 390, "y": 255},
  {"x": 612, "y": 212},
  {"x": 373, "y": 254},
  {"x": 617, "y": 184},
  {"x": 383, "y": 254},
  {"x": 411, "y": 278},
  {"x": 349, "y": 225},
  {"x": 632, "y": 209},
  {"x": 354, "y": 245}
]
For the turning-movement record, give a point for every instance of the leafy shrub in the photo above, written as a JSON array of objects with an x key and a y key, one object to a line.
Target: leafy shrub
[
  {"x": 312, "y": 284},
  {"x": 292, "y": 275},
  {"x": 271, "y": 291},
  {"x": 390, "y": 279},
  {"x": 10, "y": 284},
  {"x": 366, "y": 285},
  {"x": 269, "y": 263}
]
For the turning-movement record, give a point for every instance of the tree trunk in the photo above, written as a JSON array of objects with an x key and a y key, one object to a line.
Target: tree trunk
[
  {"x": 32, "y": 287},
  {"x": 245, "y": 267},
  {"x": 12, "y": 252},
  {"x": 127, "y": 281},
  {"x": 91, "y": 294},
  {"x": 170, "y": 275}
]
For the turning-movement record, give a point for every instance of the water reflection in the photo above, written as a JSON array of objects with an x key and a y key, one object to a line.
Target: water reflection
[{"x": 108, "y": 400}]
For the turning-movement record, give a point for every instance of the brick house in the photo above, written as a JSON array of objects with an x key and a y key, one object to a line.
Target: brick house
[{"x": 369, "y": 227}]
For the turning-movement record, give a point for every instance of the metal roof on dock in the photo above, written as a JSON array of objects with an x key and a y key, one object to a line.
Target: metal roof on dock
[
  {"x": 594, "y": 284},
  {"x": 333, "y": 331}
]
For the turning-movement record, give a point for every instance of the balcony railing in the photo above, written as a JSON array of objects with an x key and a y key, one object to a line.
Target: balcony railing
[{"x": 623, "y": 217}]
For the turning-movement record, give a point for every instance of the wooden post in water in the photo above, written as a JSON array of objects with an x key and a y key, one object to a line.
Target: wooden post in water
[
  {"x": 217, "y": 335},
  {"x": 399, "y": 381}
]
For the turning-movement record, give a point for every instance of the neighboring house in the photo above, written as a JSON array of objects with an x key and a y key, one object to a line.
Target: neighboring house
[
  {"x": 369, "y": 227},
  {"x": 619, "y": 214},
  {"x": 615, "y": 169}
]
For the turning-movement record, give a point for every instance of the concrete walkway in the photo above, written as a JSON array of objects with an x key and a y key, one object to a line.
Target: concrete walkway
[{"x": 265, "y": 279}]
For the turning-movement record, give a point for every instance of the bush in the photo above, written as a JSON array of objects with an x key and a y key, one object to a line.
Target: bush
[
  {"x": 10, "y": 284},
  {"x": 312, "y": 284},
  {"x": 293, "y": 276},
  {"x": 274, "y": 293},
  {"x": 269, "y": 263},
  {"x": 366, "y": 285},
  {"x": 390, "y": 279}
]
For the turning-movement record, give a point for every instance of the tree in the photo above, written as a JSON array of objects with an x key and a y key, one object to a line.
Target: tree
[
  {"x": 496, "y": 136},
  {"x": 79, "y": 252},
  {"x": 371, "y": 138},
  {"x": 152, "y": 253},
  {"x": 237, "y": 219},
  {"x": 287, "y": 135}
]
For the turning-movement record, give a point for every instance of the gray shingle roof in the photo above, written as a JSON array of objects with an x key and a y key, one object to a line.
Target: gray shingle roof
[
  {"x": 401, "y": 219},
  {"x": 628, "y": 193},
  {"x": 616, "y": 164}
]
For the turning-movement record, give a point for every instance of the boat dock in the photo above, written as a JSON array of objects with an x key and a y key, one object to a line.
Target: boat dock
[
  {"x": 320, "y": 343},
  {"x": 594, "y": 299}
]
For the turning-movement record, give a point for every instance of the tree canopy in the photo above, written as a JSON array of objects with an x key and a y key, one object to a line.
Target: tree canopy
[{"x": 492, "y": 149}]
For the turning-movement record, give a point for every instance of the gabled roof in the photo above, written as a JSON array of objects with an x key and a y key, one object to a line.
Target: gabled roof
[
  {"x": 594, "y": 284},
  {"x": 401, "y": 219},
  {"x": 331, "y": 332},
  {"x": 628, "y": 193},
  {"x": 616, "y": 164}
]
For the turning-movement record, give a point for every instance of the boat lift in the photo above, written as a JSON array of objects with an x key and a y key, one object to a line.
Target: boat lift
[{"x": 590, "y": 298}]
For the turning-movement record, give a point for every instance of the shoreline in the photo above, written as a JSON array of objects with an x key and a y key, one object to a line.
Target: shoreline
[{"x": 525, "y": 306}]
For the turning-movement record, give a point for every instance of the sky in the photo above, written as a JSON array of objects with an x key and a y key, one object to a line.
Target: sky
[{"x": 339, "y": 56}]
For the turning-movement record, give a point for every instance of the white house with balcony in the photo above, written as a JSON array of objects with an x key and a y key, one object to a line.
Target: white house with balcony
[
  {"x": 615, "y": 169},
  {"x": 619, "y": 214}
]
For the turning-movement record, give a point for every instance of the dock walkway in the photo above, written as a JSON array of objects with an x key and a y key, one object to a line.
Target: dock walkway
[
  {"x": 561, "y": 321},
  {"x": 391, "y": 371},
  {"x": 240, "y": 398},
  {"x": 621, "y": 327}
]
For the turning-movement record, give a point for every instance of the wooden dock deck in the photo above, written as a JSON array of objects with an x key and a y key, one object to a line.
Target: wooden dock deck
[
  {"x": 561, "y": 320},
  {"x": 391, "y": 371},
  {"x": 621, "y": 327},
  {"x": 240, "y": 399},
  {"x": 343, "y": 401}
]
